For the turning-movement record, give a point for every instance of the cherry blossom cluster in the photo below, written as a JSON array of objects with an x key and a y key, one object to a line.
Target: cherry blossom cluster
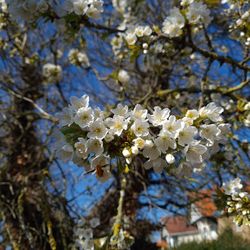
[
  {"x": 91, "y": 8},
  {"x": 96, "y": 139},
  {"x": 238, "y": 202},
  {"x": 194, "y": 12},
  {"x": 140, "y": 31},
  {"x": 52, "y": 73}
]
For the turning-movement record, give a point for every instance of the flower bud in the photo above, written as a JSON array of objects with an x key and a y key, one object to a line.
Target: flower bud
[
  {"x": 149, "y": 143},
  {"x": 170, "y": 158},
  {"x": 126, "y": 153},
  {"x": 135, "y": 150},
  {"x": 123, "y": 76},
  {"x": 145, "y": 46}
]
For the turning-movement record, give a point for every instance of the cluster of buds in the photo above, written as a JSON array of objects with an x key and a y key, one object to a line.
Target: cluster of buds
[
  {"x": 238, "y": 202},
  {"x": 98, "y": 140}
]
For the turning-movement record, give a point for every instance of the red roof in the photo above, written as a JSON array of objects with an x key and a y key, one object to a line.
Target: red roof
[
  {"x": 203, "y": 200},
  {"x": 178, "y": 224}
]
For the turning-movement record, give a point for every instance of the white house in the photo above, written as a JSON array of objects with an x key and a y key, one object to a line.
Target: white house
[{"x": 200, "y": 225}]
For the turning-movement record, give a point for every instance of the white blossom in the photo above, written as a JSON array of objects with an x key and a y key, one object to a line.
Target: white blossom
[
  {"x": 81, "y": 148},
  {"x": 184, "y": 169},
  {"x": 120, "y": 110},
  {"x": 65, "y": 117},
  {"x": 192, "y": 114},
  {"x": 147, "y": 31},
  {"x": 186, "y": 135},
  {"x": 159, "y": 116},
  {"x": 97, "y": 129},
  {"x": 99, "y": 114},
  {"x": 164, "y": 142},
  {"x": 139, "y": 143},
  {"x": 140, "y": 128},
  {"x": 66, "y": 153},
  {"x": 95, "y": 146},
  {"x": 173, "y": 24},
  {"x": 198, "y": 13},
  {"x": 77, "y": 103},
  {"x": 233, "y": 187},
  {"x": 157, "y": 164},
  {"x": 117, "y": 124},
  {"x": 194, "y": 152},
  {"x": 211, "y": 111},
  {"x": 139, "y": 31},
  {"x": 84, "y": 117},
  {"x": 139, "y": 113},
  {"x": 210, "y": 132},
  {"x": 151, "y": 152},
  {"x": 131, "y": 38},
  {"x": 173, "y": 126}
]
